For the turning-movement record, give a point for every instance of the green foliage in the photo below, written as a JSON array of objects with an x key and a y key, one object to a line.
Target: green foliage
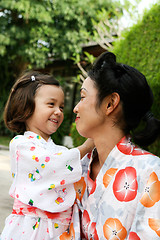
[
  {"x": 33, "y": 33},
  {"x": 63, "y": 130},
  {"x": 140, "y": 48},
  {"x": 5, "y": 140},
  {"x": 77, "y": 139},
  {"x": 89, "y": 58},
  {"x": 37, "y": 31}
]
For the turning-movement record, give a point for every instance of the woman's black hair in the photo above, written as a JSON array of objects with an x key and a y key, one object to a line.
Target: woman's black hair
[{"x": 135, "y": 94}]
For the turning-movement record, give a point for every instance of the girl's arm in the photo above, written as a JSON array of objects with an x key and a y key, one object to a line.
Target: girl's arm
[
  {"x": 86, "y": 147},
  {"x": 42, "y": 174}
]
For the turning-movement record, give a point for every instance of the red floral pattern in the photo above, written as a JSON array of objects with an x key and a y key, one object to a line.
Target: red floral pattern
[
  {"x": 70, "y": 235},
  {"x": 125, "y": 184},
  {"x": 108, "y": 176},
  {"x": 113, "y": 229},
  {"x": 152, "y": 191},
  {"x": 127, "y": 147},
  {"x": 93, "y": 232},
  {"x": 154, "y": 225},
  {"x": 80, "y": 187},
  {"x": 129, "y": 171},
  {"x": 91, "y": 184},
  {"x": 85, "y": 225},
  {"x": 133, "y": 236},
  {"x": 89, "y": 154}
]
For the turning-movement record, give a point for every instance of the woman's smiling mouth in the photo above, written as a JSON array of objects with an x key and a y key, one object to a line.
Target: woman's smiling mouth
[{"x": 77, "y": 118}]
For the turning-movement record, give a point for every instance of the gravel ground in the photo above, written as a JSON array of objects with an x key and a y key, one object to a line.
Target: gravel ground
[{"x": 6, "y": 201}]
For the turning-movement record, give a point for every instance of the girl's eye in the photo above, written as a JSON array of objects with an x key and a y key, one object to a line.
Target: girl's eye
[
  {"x": 51, "y": 104},
  {"x": 61, "y": 108}
]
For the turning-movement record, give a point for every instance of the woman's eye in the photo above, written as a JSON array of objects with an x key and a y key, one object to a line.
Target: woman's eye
[{"x": 82, "y": 97}]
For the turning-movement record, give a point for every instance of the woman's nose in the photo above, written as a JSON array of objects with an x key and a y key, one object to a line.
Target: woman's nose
[{"x": 75, "y": 110}]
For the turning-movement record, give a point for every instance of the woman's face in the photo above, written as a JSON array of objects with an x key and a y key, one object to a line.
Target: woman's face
[{"x": 89, "y": 119}]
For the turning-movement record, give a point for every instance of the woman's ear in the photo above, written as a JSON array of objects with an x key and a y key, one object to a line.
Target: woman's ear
[{"x": 112, "y": 101}]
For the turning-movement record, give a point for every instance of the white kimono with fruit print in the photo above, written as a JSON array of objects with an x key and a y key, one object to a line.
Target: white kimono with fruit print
[{"x": 123, "y": 202}]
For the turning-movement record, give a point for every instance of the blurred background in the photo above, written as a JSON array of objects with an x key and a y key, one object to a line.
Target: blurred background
[{"x": 63, "y": 37}]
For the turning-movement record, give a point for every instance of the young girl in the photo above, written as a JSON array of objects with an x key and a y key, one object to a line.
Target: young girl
[{"x": 43, "y": 172}]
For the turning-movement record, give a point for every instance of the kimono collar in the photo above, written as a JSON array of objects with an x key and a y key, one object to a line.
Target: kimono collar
[{"x": 32, "y": 135}]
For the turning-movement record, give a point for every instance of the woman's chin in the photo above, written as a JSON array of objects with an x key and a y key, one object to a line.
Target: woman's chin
[{"x": 82, "y": 133}]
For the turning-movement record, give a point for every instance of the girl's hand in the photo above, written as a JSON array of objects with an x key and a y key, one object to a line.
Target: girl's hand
[{"x": 86, "y": 147}]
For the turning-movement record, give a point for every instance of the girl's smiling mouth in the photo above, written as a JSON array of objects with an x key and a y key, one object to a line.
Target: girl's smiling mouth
[{"x": 54, "y": 120}]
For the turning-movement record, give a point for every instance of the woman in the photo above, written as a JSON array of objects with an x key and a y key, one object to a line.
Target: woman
[{"x": 119, "y": 193}]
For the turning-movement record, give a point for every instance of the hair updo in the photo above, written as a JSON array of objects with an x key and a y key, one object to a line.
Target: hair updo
[{"x": 135, "y": 94}]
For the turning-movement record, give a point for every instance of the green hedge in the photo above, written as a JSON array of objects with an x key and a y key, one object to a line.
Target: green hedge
[
  {"x": 77, "y": 139},
  {"x": 140, "y": 48}
]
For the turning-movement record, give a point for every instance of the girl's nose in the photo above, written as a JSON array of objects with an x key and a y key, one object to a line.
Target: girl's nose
[{"x": 58, "y": 111}]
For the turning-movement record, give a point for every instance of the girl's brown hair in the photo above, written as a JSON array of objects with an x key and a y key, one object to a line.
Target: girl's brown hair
[{"x": 21, "y": 102}]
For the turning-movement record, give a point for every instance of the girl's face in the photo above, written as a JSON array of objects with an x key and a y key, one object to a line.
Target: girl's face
[
  {"x": 48, "y": 113},
  {"x": 89, "y": 120}
]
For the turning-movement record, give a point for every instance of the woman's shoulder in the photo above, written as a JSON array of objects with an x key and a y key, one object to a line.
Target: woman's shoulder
[
  {"x": 128, "y": 148},
  {"x": 152, "y": 160}
]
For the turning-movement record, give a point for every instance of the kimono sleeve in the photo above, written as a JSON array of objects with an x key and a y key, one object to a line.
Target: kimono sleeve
[
  {"x": 146, "y": 224},
  {"x": 44, "y": 178}
]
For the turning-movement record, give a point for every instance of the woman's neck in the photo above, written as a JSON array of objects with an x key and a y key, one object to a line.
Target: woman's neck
[{"x": 106, "y": 141}]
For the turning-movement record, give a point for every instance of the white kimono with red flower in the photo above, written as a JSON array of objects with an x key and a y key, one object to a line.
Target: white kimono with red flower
[{"x": 124, "y": 200}]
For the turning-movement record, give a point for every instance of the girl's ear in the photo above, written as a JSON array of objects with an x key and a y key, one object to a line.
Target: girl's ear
[{"x": 112, "y": 101}]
